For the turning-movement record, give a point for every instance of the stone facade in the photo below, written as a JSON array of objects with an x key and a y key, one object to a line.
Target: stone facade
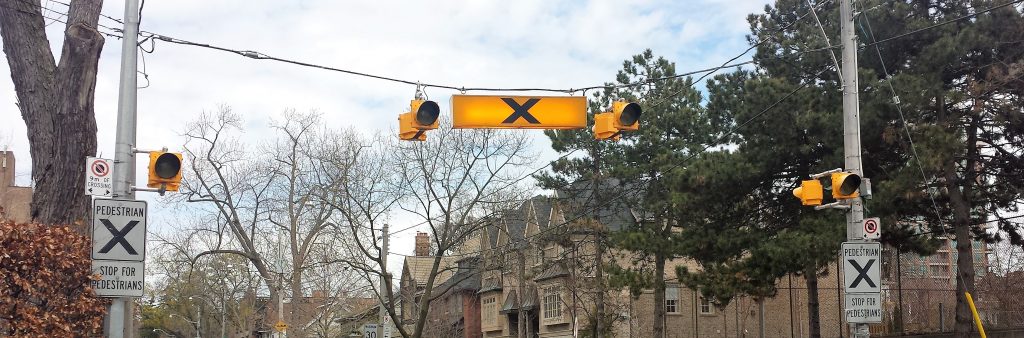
[{"x": 537, "y": 275}]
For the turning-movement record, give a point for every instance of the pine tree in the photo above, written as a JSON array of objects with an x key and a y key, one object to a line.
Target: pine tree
[
  {"x": 672, "y": 127},
  {"x": 957, "y": 78}
]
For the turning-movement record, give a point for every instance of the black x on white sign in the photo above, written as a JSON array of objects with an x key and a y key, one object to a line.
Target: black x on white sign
[
  {"x": 861, "y": 266},
  {"x": 119, "y": 230}
]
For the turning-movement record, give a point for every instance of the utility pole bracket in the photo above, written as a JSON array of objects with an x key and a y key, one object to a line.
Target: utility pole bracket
[
  {"x": 826, "y": 173},
  {"x": 833, "y": 205}
]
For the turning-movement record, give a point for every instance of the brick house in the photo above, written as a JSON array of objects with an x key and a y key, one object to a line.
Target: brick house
[
  {"x": 454, "y": 311},
  {"x": 16, "y": 201}
]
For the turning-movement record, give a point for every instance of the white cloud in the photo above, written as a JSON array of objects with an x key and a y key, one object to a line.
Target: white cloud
[{"x": 531, "y": 43}]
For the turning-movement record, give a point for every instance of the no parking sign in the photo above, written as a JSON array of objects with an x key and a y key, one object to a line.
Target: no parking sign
[{"x": 872, "y": 228}]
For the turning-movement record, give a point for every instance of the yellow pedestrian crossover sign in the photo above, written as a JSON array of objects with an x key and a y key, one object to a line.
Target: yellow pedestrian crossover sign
[
  {"x": 280, "y": 326},
  {"x": 519, "y": 112}
]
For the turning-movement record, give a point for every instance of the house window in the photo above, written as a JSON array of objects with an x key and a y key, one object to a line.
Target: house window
[
  {"x": 672, "y": 299},
  {"x": 705, "y": 306},
  {"x": 489, "y": 308},
  {"x": 552, "y": 303}
]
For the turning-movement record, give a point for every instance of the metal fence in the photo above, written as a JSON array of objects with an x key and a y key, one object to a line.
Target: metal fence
[{"x": 912, "y": 304}]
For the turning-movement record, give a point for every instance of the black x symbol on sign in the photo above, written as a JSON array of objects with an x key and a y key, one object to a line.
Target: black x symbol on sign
[
  {"x": 520, "y": 111},
  {"x": 118, "y": 237},
  {"x": 862, "y": 273}
]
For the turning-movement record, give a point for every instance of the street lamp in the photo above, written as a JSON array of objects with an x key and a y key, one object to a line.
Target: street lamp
[
  {"x": 165, "y": 332},
  {"x": 196, "y": 323}
]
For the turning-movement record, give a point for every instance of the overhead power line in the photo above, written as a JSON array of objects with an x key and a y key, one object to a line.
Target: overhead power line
[
  {"x": 261, "y": 56},
  {"x": 940, "y": 24}
]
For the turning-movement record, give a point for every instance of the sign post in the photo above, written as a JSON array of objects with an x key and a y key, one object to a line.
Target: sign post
[
  {"x": 119, "y": 247},
  {"x": 863, "y": 308},
  {"x": 119, "y": 317},
  {"x": 862, "y": 272},
  {"x": 118, "y": 278},
  {"x": 370, "y": 330},
  {"x": 280, "y": 326},
  {"x": 862, "y": 267},
  {"x": 872, "y": 228},
  {"x": 98, "y": 178},
  {"x": 119, "y": 230}
]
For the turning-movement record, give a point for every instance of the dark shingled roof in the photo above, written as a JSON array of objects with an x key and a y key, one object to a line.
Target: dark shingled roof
[
  {"x": 515, "y": 222},
  {"x": 578, "y": 203},
  {"x": 511, "y": 303},
  {"x": 530, "y": 299},
  {"x": 489, "y": 285},
  {"x": 543, "y": 207},
  {"x": 492, "y": 233},
  {"x": 466, "y": 278},
  {"x": 555, "y": 270}
]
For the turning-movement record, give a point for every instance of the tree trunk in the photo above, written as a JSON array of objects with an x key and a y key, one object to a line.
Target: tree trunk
[
  {"x": 659, "y": 296},
  {"x": 960, "y": 201},
  {"x": 56, "y": 103},
  {"x": 599, "y": 276},
  {"x": 298, "y": 313},
  {"x": 813, "y": 308}
]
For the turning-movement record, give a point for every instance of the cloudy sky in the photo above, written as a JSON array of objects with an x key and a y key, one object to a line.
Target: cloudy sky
[{"x": 529, "y": 43}]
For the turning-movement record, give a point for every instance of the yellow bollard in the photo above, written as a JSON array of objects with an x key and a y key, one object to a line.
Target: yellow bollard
[{"x": 974, "y": 311}]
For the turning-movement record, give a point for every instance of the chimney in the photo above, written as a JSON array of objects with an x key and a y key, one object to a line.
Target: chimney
[{"x": 422, "y": 244}]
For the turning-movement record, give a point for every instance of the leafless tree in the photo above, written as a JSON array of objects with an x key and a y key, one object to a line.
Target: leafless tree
[
  {"x": 56, "y": 101},
  {"x": 450, "y": 184},
  {"x": 263, "y": 202},
  {"x": 1000, "y": 290}
]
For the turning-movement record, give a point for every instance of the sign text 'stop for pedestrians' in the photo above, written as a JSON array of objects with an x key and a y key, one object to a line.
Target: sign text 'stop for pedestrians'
[
  {"x": 862, "y": 266},
  {"x": 119, "y": 230}
]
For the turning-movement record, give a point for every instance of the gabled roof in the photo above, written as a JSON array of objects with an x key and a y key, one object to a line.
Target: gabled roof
[
  {"x": 611, "y": 209},
  {"x": 417, "y": 268},
  {"x": 536, "y": 211},
  {"x": 511, "y": 303},
  {"x": 467, "y": 278},
  {"x": 530, "y": 300}
]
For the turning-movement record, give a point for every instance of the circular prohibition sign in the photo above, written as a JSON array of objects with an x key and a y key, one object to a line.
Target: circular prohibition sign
[
  {"x": 99, "y": 168},
  {"x": 870, "y": 226}
]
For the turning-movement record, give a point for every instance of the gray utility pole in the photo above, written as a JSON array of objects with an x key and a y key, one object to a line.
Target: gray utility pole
[
  {"x": 851, "y": 132},
  {"x": 381, "y": 312},
  {"x": 119, "y": 318}
]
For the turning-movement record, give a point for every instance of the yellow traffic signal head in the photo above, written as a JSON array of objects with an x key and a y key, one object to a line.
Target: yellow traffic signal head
[
  {"x": 422, "y": 116},
  {"x": 627, "y": 115},
  {"x": 845, "y": 185},
  {"x": 164, "y": 170},
  {"x": 426, "y": 113},
  {"x": 407, "y": 128},
  {"x": 604, "y": 127},
  {"x": 610, "y": 125},
  {"x": 809, "y": 192}
]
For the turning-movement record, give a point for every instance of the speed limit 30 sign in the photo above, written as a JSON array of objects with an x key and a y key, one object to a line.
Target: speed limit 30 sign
[{"x": 872, "y": 228}]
